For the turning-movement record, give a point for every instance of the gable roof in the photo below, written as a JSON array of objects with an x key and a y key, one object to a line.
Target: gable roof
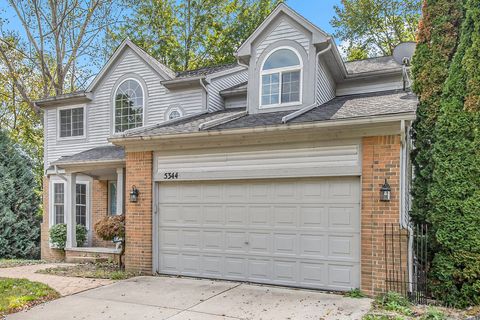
[
  {"x": 163, "y": 70},
  {"x": 202, "y": 72},
  {"x": 319, "y": 36}
]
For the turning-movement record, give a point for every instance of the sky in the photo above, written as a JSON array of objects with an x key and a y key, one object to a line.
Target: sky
[{"x": 320, "y": 12}]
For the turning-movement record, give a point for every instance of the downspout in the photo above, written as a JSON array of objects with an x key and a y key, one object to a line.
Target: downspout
[
  {"x": 206, "y": 93},
  {"x": 403, "y": 207},
  {"x": 297, "y": 113},
  {"x": 317, "y": 56}
]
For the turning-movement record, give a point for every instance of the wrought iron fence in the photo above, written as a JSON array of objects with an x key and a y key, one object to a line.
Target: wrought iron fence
[{"x": 406, "y": 261}]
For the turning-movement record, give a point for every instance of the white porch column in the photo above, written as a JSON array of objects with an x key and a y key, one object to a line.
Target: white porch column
[
  {"x": 70, "y": 214},
  {"x": 120, "y": 188}
]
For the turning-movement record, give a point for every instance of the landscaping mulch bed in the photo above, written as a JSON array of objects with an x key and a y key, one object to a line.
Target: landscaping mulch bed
[
  {"x": 91, "y": 270},
  {"x": 20, "y": 294}
]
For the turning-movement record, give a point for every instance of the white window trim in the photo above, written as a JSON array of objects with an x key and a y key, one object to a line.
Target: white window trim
[
  {"x": 280, "y": 71},
  {"x": 87, "y": 204},
  {"x": 113, "y": 103},
  {"x": 51, "y": 198},
  {"x": 169, "y": 112},
  {"x": 84, "y": 123}
]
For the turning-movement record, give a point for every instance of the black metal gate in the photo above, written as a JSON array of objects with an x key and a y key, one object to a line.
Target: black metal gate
[{"x": 406, "y": 256}]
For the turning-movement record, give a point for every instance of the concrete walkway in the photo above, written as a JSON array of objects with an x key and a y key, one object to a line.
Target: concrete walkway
[
  {"x": 64, "y": 285},
  {"x": 195, "y": 299}
]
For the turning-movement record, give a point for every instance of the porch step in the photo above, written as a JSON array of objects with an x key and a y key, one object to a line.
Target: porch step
[
  {"x": 91, "y": 254},
  {"x": 78, "y": 259}
]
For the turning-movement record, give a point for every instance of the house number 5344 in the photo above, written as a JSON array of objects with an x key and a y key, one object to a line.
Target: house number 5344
[{"x": 170, "y": 175}]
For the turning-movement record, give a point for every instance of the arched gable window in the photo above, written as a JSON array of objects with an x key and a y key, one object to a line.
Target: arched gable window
[
  {"x": 129, "y": 105},
  {"x": 281, "y": 78},
  {"x": 174, "y": 114}
]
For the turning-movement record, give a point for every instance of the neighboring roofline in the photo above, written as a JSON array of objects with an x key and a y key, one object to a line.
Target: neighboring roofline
[
  {"x": 410, "y": 115},
  {"x": 172, "y": 83},
  {"x": 74, "y": 97},
  {"x": 166, "y": 72},
  {"x": 282, "y": 7}
]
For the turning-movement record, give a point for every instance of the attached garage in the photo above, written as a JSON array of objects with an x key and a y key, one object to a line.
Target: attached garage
[
  {"x": 301, "y": 232},
  {"x": 295, "y": 232}
]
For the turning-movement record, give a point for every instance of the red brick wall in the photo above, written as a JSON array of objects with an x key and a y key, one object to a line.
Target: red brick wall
[
  {"x": 138, "y": 224},
  {"x": 46, "y": 252},
  {"x": 380, "y": 160},
  {"x": 99, "y": 210}
]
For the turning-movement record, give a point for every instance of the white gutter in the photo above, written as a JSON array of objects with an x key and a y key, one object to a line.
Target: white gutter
[
  {"x": 279, "y": 127},
  {"x": 297, "y": 113}
]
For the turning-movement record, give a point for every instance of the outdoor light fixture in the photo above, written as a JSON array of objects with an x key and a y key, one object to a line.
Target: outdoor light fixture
[
  {"x": 134, "y": 194},
  {"x": 385, "y": 192}
]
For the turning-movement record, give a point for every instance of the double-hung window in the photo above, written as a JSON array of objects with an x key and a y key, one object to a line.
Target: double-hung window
[
  {"x": 71, "y": 122},
  {"x": 58, "y": 203},
  {"x": 81, "y": 204},
  {"x": 281, "y": 78}
]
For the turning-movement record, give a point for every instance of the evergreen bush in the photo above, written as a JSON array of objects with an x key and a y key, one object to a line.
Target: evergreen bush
[{"x": 20, "y": 213}]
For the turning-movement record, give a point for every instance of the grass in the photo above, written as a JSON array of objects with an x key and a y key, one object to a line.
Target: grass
[
  {"x": 104, "y": 270},
  {"x": 393, "y": 306},
  {"x": 10, "y": 263},
  {"x": 19, "y": 294}
]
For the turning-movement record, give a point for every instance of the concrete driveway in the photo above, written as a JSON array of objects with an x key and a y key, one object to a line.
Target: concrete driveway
[{"x": 182, "y": 299}]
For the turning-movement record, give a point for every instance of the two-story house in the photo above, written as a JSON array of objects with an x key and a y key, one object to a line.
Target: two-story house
[{"x": 268, "y": 170}]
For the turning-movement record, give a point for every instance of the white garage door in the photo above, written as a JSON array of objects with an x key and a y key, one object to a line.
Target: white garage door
[{"x": 294, "y": 232}]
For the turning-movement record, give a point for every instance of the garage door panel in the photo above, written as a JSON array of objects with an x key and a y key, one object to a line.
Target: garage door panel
[
  {"x": 302, "y": 232},
  {"x": 313, "y": 274},
  {"x": 313, "y": 217},
  {"x": 213, "y": 215},
  {"x": 213, "y": 240},
  {"x": 235, "y": 216},
  {"x": 285, "y": 216},
  {"x": 235, "y": 268}
]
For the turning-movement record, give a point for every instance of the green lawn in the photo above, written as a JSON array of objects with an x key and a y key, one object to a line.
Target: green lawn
[
  {"x": 9, "y": 263},
  {"x": 17, "y": 294}
]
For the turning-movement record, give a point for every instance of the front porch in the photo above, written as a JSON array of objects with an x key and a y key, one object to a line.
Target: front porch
[{"x": 83, "y": 189}]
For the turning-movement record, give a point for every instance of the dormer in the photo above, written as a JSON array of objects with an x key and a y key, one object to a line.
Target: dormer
[{"x": 281, "y": 56}]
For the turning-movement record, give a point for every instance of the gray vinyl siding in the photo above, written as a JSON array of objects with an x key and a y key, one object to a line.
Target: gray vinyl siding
[
  {"x": 236, "y": 102},
  {"x": 99, "y": 112},
  {"x": 284, "y": 31},
  {"x": 215, "y": 101},
  {"x": 325, "y": 90}
]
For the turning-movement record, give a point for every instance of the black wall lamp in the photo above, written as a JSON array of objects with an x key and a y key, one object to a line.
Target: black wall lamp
[
  {"x": 134, "y": 194},
  {"x": 385, "y": 192}
]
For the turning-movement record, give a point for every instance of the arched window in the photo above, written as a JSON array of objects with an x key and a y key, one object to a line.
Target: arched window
[
  {"x": 281, "y": 78},
  {"x": 129, "y": 105},
  {"x": 174, "y": 114}
]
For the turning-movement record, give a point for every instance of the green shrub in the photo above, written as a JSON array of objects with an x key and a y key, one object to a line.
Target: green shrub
[
  {"x": 58, "y": 235},
  {"x": 455, "y": 193},
  {"x": 355, "y": 293},
  {"x": 393, "y": 301},
  {"x": 20, "y": 214},
  {"x": 110, "y": 227}
]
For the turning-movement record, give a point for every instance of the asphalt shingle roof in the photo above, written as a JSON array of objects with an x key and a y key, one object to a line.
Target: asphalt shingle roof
[
  {"x": 184, "y": 126},
  {"x": 345, "y": 107},
  {"x": 372, "y": 65},
  {"x": 105, "y": 153},
  {"x": 205, "y": 71}
]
